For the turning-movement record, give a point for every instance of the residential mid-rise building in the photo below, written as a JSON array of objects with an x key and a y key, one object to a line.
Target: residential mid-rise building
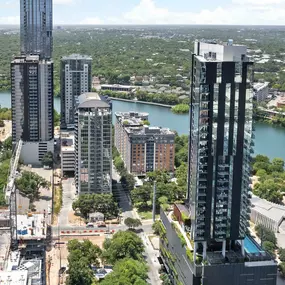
[
  {"x": 67, "y": 153},
  {"x": 93, "y": 144},
  {"x": 123, "y": 120},
  {"x": 149, "y": 149},
  {"x": 261, "y": 91},
  {"x": 208, "y": 242},
  {"x": 143, "y": 148},
  {"x": 36, "y": 27},
  {"x": 32, "y": 106},
  {"x": 75, "y": 79}
]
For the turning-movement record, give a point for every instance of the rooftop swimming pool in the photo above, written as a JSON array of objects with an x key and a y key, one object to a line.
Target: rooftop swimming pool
[{"x": 250, "y": 246}]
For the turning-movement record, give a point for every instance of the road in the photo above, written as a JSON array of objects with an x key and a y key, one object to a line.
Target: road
[
  {"x": 146, "y": 227},
  {"x": 152, "y": 261},
  {"x": 68, "y": 196},
  {"x": 124, "y": 200}
]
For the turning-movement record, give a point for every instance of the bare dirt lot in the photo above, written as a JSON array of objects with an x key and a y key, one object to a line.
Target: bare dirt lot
[{"x": 58, "y": 257}]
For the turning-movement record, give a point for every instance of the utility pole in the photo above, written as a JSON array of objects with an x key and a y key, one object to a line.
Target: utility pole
[{"x": 153, "y": 202}]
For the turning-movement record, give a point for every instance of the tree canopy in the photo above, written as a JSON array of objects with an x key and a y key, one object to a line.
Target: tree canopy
[
  {"x": 127, "y": 272},
  {"x": 90, "y": 203},
  {"x": 30, "y": 183},
  {"x": 81, "y": 256},
  {"x": 123, "y": 245},
  {"x": 271, "y": 181},
  {"x": 132, "y": 223},
  {"x": 47, "y": 159}
]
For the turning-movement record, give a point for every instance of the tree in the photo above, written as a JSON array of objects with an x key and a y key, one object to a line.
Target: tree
[
  {"x": 132, "y": 223},
  {"x": 79, "y": 272},
  {"x": 127, "y": 180},
  {"x": 122, "y": 245},
  {"x": 265, "y": 234},
  {"x": 141, "y": 195},
  {"x": 87, "y": 249},
  {"x": 7, "y": 144},
  {"x": 281, "y": 252},
  {"x": 146, "y": 122},
  {"x": 268, "y": 190},
  {"x": 90, "y": 203},
  {"x": 127, "y": 272},
  {"x": 262, "y": 158},
  {"x": 268, "y": 246},
  {"x": 30, "y": 183},
  {"x": 277, "y": 165},
  {"x": 81, "y": 256},
  {"x": 47, "y": 159},
  {"x": 156, "y": 226}
]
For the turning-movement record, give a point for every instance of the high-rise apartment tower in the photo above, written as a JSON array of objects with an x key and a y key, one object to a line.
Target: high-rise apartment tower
[
  {"x": 208, "y": 241},
  {"x": 220, "y": 144},
  {"x": 32, "y": 82},
  {"x": 75, "y": 79},
  {"x": 32, "y": 106},
  {"x": 93, "y": 144},
  {"x": 36, "y": 27}
]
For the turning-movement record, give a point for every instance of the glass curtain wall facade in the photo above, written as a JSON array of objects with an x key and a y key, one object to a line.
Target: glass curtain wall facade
[
  {"x": 75, "y": 79},
  {"x": 93, "y": 147},
  {"x": 36, "y": 27},
  {"x": 220, "y": 149}
]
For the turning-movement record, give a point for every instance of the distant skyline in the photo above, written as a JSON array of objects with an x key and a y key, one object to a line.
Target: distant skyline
[{"x": 147, "y": 12}]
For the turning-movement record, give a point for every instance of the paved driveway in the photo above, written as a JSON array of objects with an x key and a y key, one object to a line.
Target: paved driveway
[{"x": 68, "y": 196}]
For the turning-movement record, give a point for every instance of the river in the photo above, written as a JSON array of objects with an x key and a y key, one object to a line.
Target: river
[{"x": 269, "y": 139}]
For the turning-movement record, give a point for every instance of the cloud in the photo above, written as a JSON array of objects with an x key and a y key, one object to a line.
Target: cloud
[
  {"x": 251, "y": 12},
  {"x": 258, "y": 2},
  {"x": 91, "y": 21},
  {"x": 10, "y": 20},
  {"x": 60, "y": 2}
]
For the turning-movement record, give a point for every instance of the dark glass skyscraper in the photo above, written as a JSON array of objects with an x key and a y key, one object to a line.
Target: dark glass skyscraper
[
  {"x": 206, "y": 241},
  {"x": 32, "y": 82},
  {"x": 36, "y": 27},
  {"x": 220, "y": 143}
]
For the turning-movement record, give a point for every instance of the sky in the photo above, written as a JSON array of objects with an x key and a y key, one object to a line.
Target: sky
[{"x": 147, "y": 12}]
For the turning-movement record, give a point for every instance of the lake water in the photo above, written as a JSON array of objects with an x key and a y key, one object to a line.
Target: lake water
[{"x": 269, "y": 139}]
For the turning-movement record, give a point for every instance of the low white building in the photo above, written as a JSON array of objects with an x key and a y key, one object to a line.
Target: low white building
[
  {"x": 261, "y": 91},
  {"x": 265, "y": 213},
  {"x": 67, "y": 153},
  {"x": 14, "y": 277}
]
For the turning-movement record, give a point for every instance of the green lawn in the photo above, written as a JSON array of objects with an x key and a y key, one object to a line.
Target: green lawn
[{"x": 147, "y": 215}]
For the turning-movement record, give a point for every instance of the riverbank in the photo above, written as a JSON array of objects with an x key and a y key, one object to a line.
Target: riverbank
[{"x": 141, "y": 102}]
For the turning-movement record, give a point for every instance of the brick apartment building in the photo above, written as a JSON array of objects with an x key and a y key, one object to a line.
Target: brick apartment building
[{"x": 143, "y": 148}]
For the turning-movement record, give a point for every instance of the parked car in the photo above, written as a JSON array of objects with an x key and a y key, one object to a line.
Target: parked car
[
  {"x": 101, "y": 225},
  {"x": 89, "y": 225}
]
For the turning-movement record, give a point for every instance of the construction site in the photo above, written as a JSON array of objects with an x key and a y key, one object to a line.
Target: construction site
[{"x": 24, "y": 237}]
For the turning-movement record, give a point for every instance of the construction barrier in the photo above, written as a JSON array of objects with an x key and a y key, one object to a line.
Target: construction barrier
[{"x": 87, "y": 232}]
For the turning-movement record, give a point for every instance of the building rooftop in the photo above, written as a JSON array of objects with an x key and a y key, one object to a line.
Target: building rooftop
[
  {"x": 76, "y": 56},
  {"x": 92, "y": 100},
  {"x": 273, "y": 211},
  {"x": 259, "y": 85},
  {"x": 131, "y": 118},
  {"x": 146, "y": 130},
  {"x": 31, "y": 226},
  {"x": 67, "y": 142},
  {"x": 14, "y": 277},
  {"x": 116, "y": 86}
]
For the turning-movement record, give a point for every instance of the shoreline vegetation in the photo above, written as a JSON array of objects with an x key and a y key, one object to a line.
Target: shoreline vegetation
[{"x": 180, "y": 109}]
